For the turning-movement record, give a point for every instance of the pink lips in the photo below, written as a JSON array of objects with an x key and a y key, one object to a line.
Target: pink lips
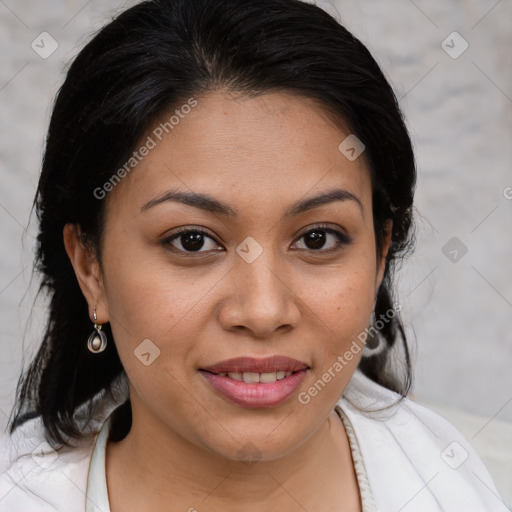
[
  {"x": 256, "y": 395},
  {"x": 251, "y": 364}
]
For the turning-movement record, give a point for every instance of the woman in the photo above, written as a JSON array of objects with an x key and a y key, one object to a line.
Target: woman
[{"x": 226, "y": 189}]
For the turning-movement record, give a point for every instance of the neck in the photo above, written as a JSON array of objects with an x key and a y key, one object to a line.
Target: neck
[{"x": 154, "y": 466}]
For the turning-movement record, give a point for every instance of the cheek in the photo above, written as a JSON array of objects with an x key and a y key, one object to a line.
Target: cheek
[
  {"x": 144, "y": 291},
  {"x": 343, "y": 318},
  {"x": 341, "y": 305},
  {"x": 162, "y": 311},
  {"x": 151, "y": 315},
  {"x": 340, "y": 311},
  {"x": 342, "y": 298}
]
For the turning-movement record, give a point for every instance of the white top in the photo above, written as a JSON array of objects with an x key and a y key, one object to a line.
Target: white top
[
  {"x": 407, "y": 459},
  {"x": 97, "y": 494}
]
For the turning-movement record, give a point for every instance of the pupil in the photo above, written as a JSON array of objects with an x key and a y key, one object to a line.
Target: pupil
[
  {"x": 317, "y": 238},
  {"x": 192, "y": 241}
]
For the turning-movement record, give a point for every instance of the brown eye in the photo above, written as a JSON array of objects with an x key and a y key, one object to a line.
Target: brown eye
[
  {"x": 190, "y": 240},
  {"x": 324, "y": 239}
]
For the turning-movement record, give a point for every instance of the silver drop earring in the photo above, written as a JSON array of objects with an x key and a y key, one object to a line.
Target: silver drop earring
[{"x": 97, "y": 341}]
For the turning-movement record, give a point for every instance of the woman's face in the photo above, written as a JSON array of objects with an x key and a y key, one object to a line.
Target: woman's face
[{"x": 266, "y": 277}]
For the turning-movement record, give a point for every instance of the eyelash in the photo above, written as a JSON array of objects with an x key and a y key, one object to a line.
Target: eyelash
[{"x": 342, "y": 239}]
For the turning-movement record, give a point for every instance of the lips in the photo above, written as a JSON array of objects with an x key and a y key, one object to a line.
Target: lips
[
  {"x": 253, "y": 365},
  {"x": 256, "y": 383}
]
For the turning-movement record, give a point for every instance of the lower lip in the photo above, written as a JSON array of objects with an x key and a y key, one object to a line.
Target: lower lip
[{"x": 255, "y": 395}]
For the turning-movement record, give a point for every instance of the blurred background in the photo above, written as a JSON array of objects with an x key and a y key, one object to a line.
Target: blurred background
[{"x": 450, "y": 63}]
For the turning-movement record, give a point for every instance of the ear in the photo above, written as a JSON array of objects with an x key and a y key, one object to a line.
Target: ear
[
  {"x": 87, "y": 271},
  {"x": 381, "y": 263}
]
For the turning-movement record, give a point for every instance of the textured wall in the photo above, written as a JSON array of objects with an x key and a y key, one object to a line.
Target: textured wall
[
  {"x": 459, "y": 112},
  {"x": 456, "y": 289}
]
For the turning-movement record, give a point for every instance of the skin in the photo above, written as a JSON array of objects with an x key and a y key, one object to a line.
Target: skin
[{"x": 259, "y": 155}]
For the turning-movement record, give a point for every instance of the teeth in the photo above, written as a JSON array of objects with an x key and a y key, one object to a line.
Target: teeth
[
  {"x": 253, "y": 377},
  {"x": 268, "y": 377}
]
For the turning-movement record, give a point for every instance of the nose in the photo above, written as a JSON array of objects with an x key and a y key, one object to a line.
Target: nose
[{"x": 260, "y": 299}]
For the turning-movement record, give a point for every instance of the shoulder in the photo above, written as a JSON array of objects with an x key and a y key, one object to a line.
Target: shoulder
[
  {"x": 418, "y": 454},
  {"x": 34, "y": 476},
  {"x": 38, "y": 477}
]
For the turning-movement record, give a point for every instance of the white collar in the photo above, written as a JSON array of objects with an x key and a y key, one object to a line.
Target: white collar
[{"x": 415, "y": 460}]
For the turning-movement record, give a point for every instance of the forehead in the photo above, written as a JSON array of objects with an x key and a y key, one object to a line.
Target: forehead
[{"x": 256, "y": 151}]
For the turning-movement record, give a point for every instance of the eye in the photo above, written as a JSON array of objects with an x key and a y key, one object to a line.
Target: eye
[
  {"x": 190, "y": 240},
  {"x": 319, "y": 237}
]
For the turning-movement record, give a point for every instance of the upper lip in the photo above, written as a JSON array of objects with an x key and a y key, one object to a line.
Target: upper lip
[{"x": 251, "y": 364}]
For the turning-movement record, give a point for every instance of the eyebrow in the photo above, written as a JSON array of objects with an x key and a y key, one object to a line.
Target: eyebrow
[{"x": 212, "y": 205}]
